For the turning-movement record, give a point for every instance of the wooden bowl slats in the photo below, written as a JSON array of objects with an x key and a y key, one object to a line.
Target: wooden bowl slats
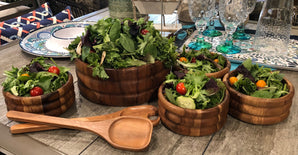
[
  {"x": 54, "y": 103},
  {"x": 131, "y": 73},
  {"x": 259, "y": 120},
  {"x": 189, "y": 122},
  {"x": 125, "y": 87},
  {"x": 121, "y": 87},
  {"x": 115, "y": 99},
  {"x": 259, "y": 111},
  {"x": 192, "y": 122},
  {"x": 191, "y": 131},
  {"x": 63, "y": 108},
  {"x": 66, "y": 101}
]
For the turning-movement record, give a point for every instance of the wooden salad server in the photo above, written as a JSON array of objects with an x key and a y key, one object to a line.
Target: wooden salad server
[
  {"x": 145, "y": 111},
  {"x": 124, "y": 132}
]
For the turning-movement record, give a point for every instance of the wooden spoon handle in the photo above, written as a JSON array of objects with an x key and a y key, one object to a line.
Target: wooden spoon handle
[
  {"x": 142, "y": 110},
  {"x": 29, "y": 127},
  {"x": 50, "y": 120}
]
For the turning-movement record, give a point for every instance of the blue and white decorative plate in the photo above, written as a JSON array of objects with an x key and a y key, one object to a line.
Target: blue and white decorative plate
[{"x": 43, "y": 42}]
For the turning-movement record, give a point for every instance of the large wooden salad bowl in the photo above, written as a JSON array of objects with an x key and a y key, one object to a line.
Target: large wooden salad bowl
[
  {"x": 54, "y": 103},
  {"x": 125, "y": 87},
  {"x": 256, "y": 110},
  {"x": 191, "y": 122}
]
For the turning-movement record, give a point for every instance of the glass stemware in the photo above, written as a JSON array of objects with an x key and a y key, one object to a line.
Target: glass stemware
[
  {"x": 240, "y": 34},
  {"x": 200, "y": 12},
  {"x": 211, "y": 31},
  {"x": 230, "y": 13}
]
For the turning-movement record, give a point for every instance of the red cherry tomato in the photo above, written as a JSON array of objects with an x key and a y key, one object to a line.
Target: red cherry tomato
[
  {"x": 54, "y": 69},
  {"x": 180, "y": 88},
  {"x": 144, "y": 31},
  {"x": 36, "y": 91}
]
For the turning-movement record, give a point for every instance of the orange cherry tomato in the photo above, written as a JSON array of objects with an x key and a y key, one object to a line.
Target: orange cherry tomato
[
  {"x": 233, "y": 80},
  {"x": 25, "y": 74},
  {"x": 182, "y": 59},
  {"x": 261, "y": 83},
  {"x": 215, "y": 60}
]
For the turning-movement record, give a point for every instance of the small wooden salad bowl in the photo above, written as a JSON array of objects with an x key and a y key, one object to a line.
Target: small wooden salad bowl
[
  {"x": 218, "y": 74},
  {"x": 262, "y": 111},
  {"x": 125, "y": 87},
  {"x": 192, "y": 122},
  {"x": 54, "y": 103}
]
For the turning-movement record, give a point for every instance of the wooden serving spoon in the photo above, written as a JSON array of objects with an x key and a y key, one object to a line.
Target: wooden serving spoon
[
  {"x": 145, "y": 111},
  {"x": 125, "y": 132}
]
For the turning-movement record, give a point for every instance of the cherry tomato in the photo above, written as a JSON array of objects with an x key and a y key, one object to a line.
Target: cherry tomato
[
  {"x": 261, "y": 83},
  {"x": 25, "y": 74},
  {"x": 180, "y": 88},
  {"x": 182, "y": 59},
  {"x": 193, "y": 60},
  {"x": 215, "y": 60},
  {"x": 54, "y": 69},
  {"x": 36, "y": 91},
  {"x": 233, "y": 80},
  {"x": 144, "y": 31}
]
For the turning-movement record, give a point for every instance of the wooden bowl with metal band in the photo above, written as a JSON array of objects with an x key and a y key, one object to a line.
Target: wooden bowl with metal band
[
  {"x": 53, "y": 104},
  {"x": 125, "y": 87},
  {"x": 262, "y": 111},
  {"x": 192, "y": 122}
]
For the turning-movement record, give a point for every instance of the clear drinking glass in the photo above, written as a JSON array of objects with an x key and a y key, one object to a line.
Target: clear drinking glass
[
  {"x": 211, "y": 31},
  {"x": 230, "y": 13},
  {"x": 200, "y": 12},
  {"x": 240, "y": 34},
  {"x": 274, "y": 27}
]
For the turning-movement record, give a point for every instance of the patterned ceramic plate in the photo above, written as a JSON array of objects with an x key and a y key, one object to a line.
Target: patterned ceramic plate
[{"x": 49, "y": 41}]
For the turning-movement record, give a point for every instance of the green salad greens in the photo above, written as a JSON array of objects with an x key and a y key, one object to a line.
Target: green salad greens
[
  {"x": 20, "y": 81},
  {"x": 202, "y": 60},
  {"x": 111, "y": 43},
  {"x": 250, "y": 79},
  {"x": 193, "y": 90}
]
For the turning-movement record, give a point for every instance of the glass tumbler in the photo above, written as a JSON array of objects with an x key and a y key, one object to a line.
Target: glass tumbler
[{"x": 274, "y": 27}]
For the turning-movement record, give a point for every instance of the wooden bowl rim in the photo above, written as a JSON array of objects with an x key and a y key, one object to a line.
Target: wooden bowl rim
[
  {"x": 8, "y": 94},
  {"x": 171, "y": 107},
  {"x": 120, "y": 69},
  {"x": 263, "y": 100}
]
